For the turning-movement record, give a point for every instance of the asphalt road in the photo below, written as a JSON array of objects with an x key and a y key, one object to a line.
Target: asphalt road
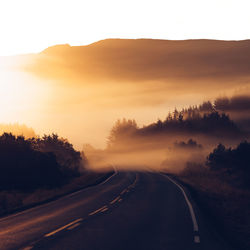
[{"x": 130, "y": 210}]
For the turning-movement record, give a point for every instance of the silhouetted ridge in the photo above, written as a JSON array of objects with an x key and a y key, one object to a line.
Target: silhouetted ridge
[
  {"x": 60, "y": 48},
  {"x": 146, "y": 59}
]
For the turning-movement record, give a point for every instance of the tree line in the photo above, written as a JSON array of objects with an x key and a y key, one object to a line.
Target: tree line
[
  {"x": 27, "y": 164},
  {"x": 202, "y": 119},
  {"x": 232, "y": 162}
]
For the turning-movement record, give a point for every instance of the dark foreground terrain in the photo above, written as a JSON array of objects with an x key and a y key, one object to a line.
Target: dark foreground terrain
[{"x": 129, "y": 210}]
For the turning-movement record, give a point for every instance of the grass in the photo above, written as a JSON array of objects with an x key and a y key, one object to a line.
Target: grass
[
  {"x": 15, "y": 200},
  {"x": 227, "y": 206}
]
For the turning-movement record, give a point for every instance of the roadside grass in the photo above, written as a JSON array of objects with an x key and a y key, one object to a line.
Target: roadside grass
[
  {"x": 227, "y": 206},
  {"x": 15, "y": 200}
]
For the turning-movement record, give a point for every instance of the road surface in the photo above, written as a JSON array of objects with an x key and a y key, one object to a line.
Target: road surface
[{"x": 130, "y": 210}]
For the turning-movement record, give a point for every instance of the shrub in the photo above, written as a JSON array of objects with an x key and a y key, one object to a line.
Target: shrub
[
  {"x": 235, "y": 162},
  {"x": 30, "y": 164}
]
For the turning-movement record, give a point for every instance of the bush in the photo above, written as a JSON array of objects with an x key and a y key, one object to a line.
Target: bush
[
  {"x": 235, "y": 162},
  {"x": 27, "y": 165},
  {"x": 69, "y": 160}
]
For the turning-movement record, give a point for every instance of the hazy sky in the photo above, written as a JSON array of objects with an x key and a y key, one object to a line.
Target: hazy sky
[{"x": 32, "y": 25}]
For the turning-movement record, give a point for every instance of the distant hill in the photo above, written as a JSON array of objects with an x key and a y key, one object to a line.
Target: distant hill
[
  {"x": 146, "y": 59},
  {"x": 142, "y": 79}
]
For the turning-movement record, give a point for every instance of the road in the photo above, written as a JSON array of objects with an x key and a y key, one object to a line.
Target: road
[{"x": 130, "y": 210}]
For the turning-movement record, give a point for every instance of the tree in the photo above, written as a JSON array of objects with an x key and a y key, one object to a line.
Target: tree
[
  {"x": 69, "y": 159},
  {"x": 23, "y": 167},
  {"x": 235, "y": 162},
  {"x": 222, "y": 104},
  {"x": 121, "y": 130},
  {"x": 217, "y": 159}
]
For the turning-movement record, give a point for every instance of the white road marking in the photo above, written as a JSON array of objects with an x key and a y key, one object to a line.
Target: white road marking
[
  {"x": 197, "y": 239},
  {"x": 63, "y": 227},
  {"x": 114, "y": 174},
  {"x": 124, "y": 191},
  {"x": 133, "y": 184},
  {"x": 74, "y": 226},
  {"x": 191, "y": 210},
  {"x": 51, "y": 202},
  {"x": 27, "y": 248},
  {"x": 73, "y": 194},
  {"x": 98, "y": 210},
  {"x": 115, "y": 200},
  {"x": 103, "y": 210},
  {"x": 70, "y": 225}
]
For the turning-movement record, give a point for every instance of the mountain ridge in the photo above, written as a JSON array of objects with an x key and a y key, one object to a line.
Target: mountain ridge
[
  {"x": 122, "y": 40},
  {"x": 181, "y": 63}
]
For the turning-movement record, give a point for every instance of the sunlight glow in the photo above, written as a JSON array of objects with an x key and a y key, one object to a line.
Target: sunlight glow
[
  {"x": 21, "y": 96},
  {"x": 51, "y": 98}
]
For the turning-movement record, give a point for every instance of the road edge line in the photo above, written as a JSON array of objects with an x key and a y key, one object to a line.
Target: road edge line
[
  {"x": 191, "y": 210},
  {"x": 44, "y": 204}
]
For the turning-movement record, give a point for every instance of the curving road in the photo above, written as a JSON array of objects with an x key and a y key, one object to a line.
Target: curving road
[{"x": 130, "y": 210}]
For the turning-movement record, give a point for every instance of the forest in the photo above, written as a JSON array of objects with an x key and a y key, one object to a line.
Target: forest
[
  {"x": 28, "y": 164},
  {"x": 208, "y": 119}
]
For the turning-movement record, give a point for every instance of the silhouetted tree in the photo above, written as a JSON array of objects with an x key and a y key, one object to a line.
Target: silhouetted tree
[
  {"x": 22, "y": 167},
  {"x": 69, "y": 159},
  {"x": 210, "y": 123},
  {"x": 189, "y": 144},
  {"x": 235, "y": 162},
  {"x": 34, "y": 163},
  {"x": 194, "y": 120},
  {"x": 221, "y": 103},
  {"x": 121, "y": 130}
]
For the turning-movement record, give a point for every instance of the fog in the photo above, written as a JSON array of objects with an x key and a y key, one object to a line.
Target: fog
[
  {"x": 163, "y": 153},
  {"x": 79, "y": 92}
]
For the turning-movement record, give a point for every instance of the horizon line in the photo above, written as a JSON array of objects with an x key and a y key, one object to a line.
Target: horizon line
[{"x": 105, "y": 39}]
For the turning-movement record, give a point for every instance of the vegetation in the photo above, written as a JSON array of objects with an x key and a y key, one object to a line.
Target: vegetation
[
  {"x": 37, "y": 170},
  {"x": 121, "y": 130},
  {"x": 221, "y": 188},
  {"x": 212, "y": 123},
  {"x": 70, "y": 161},
  {"x": 203, "y": 119},
  {"x": 190, "y": 144},
  {"x": 221, "y": 185},
  {"x": 15, "y": 200},
  {"x": 233, "y": 163},
  {"x": 236, "y": 103},
  {"x": 27, "y": 164}
]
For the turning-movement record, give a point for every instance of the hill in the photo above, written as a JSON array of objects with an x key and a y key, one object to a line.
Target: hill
[{"x": 146, "y": 60}]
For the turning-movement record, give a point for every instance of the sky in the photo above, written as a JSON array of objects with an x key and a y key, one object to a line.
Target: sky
[
  {"x": 29, "y": 26},
  {"x": 47, "y": 105}
]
